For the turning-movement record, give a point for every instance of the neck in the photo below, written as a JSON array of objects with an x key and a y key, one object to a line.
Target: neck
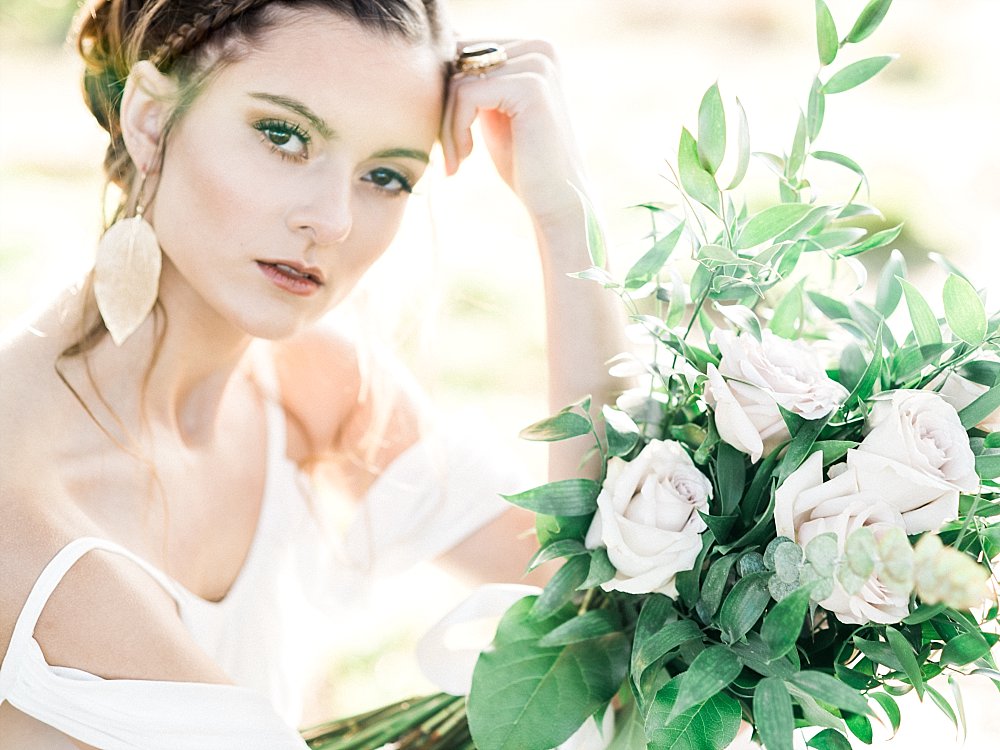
[{"x": 174, "y": 372}]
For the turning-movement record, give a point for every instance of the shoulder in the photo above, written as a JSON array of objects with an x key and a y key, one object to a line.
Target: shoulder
[
  {"x": 105, "y": 616},
  {"x": 354, "y": 401}
]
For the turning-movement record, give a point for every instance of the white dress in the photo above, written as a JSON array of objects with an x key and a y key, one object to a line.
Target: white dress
[{"x": 266, "y": 632}]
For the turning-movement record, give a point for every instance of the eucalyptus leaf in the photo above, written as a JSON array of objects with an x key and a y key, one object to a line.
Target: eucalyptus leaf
[
  {"x": 844, "y": 161},
  {"x": 711, "y": 130},
  {"x": 869, "y": 20},
  {"x": 650, "y": 264},
  {"x": 964, "y": 310},
  {"x": 826, "y": 34},
  {"x": 697, "y": 182},
  {"x": 783, "y": 624},
  {"x": 925, "y": 323},
  {"x": 856, "y": 73},
  {"x": 743, "y": 148},
  {"x": 891, "y": 708},
  {"x": 875, "y": 241},
  {"x": 596, "y": 246},
  {"x": 789, "y": 314},
  {"x": 743, "y": 606},
  {"x": 830, "y": 307},
  {"x": 889, "y": 289},
  {"x": 772, "y": 714},
  {"x": 769, "y": 223}
]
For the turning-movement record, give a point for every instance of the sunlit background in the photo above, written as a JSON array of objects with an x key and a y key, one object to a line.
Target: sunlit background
[{"x": 462, "y": 284}]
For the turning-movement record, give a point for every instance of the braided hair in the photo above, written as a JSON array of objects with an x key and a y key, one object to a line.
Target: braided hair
[{"x": 189, "y": 39}]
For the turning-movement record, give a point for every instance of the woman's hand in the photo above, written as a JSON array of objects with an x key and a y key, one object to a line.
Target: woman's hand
[{"x": 525, "y": 127}]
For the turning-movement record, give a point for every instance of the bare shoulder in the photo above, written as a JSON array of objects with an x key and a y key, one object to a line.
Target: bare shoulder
[
  {"x": 106, "y": 616},
  {"x": 356, "y": 401}
]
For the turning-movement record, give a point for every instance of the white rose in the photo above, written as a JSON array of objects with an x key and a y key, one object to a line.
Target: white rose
[
  {"x": 960, "y": 392},
  {"x": 805, "y": 506},
  {"x": 754, "y": 378},
  {"x": 647, "y": 517},
  {"x": 917, "y": 457}
]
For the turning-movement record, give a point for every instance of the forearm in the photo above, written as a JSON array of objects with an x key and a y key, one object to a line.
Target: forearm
[{"x": 584, "y": 326}]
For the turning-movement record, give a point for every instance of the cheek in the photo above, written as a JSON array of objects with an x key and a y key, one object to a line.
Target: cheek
[{"x": 205, "y": 195}]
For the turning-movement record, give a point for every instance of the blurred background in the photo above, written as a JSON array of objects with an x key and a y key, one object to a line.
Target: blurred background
[{"x": 461, "y": 286}]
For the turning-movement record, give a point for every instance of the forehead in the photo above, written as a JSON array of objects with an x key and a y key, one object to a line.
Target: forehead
[{"x": 345, "y": 73}]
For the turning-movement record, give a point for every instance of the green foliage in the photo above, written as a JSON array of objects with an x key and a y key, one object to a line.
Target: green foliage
[{"x": 746, "y": 633}]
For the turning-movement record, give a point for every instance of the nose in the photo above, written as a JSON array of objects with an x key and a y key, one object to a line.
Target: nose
[{"x": 324, "y": 214}]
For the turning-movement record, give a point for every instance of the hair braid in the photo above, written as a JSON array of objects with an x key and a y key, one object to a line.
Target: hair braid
[{"x": 189, "y": 35}]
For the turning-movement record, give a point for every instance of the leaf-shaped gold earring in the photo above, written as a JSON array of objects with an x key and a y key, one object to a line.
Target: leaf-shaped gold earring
[{"x": 127, "y": 275}]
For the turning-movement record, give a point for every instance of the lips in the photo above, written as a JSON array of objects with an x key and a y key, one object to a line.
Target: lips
[
  {"x": 295, "y": 270},
  {"x": 292, "y": 277}
]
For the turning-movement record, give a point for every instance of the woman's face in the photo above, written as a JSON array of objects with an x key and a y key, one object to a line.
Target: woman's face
[{"x": 288, "y": 175}]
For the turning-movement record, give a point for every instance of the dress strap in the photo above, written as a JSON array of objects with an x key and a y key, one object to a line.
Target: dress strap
[{"x": 57, "y": 568}]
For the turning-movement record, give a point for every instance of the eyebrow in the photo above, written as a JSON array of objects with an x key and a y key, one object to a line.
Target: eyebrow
[{"x": 327, "y": 132}]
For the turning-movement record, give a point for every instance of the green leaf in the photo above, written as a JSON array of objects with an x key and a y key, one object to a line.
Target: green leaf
[
  {"x": 860, "y": 727},
  {"x": 889, "y": 288},
  {"x": 869, "y": 20},
  {"x": 889, "y": 705},
  {"x": 743, "y": 606},
  {"x": 769, "y": 223},
  {"x": 833, "y": 450},
  {"x": 826, "y": 34},
  {"x": 789, "y": 314},
  {"x": 599, "y": 275},
  {"x": 797, "y": 156},
  {"x": 925, "y": 324},
  {"x": 711, "y": 671},
  {"x": 711, "y": 130},
  {"x": 874, "y": 242},
  {"x": 560, "y": 548},
  {"x": 648, "y": 650},
  {"x": 942, "y": 703},
  {"x": 730, "y": 472},
  {"x": 830, "y": 690},
  {"x": 516, "y": 684},
  {"x": 816, "y": 109},
  {"x": 743, "y": 148},
  {"x": 650, "y": 264},
  {"x": 596, "y": 246},
  {"x": 561, "y": 426},
  {"x": 801, "y": 446},
  {"x": 783, "y": 623},
  {"x": 964, "y": 311},
  {"x": 981, "y": 408},
  {"x": 964, "y": 649},
  {"x": 829, "y": 739},
  {"x": 601, "y": 569},
  {"x": 772, "y": 714},
  {"x": 621, "y": 431},
  {"x": 715, "y": 585},
  {"x": 830, "y": 307},
  {"x": 585, "y": 627},
  {"x": 924, "y": 612},
  {"x": 844, "y": 161},
  {"x": 711, "y": 725},
  {"x": 550, "y": 529},
  {"x": 856, "y": 73},
  {"x": 630, "y": 733},
  {"x": 904, "y": 652},
  {"x": 697, "y": 183},
  {"x": 560, "y": 588},
  {"x": 567, "y": 497},
  {"x": 865, "y": 386}
]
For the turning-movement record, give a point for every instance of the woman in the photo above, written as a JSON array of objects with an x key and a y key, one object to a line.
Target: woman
[{"x": 156, "y": 540}]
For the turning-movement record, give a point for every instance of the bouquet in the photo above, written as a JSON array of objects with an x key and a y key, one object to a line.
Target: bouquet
[{"x": 793, "y": 521}]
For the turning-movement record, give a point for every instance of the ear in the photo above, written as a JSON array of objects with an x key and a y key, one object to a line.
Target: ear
[{"x": 147, "y": 102}]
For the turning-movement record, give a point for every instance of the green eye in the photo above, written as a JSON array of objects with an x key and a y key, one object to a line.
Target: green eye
[
  {"x": 286, "y": 138},
  {"x": 389, "y": 180}
]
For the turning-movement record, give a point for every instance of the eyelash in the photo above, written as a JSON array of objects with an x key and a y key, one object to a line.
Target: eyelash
[
  {"x": 282, "y": 128},
  {"x": 268, "y": 129}
]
